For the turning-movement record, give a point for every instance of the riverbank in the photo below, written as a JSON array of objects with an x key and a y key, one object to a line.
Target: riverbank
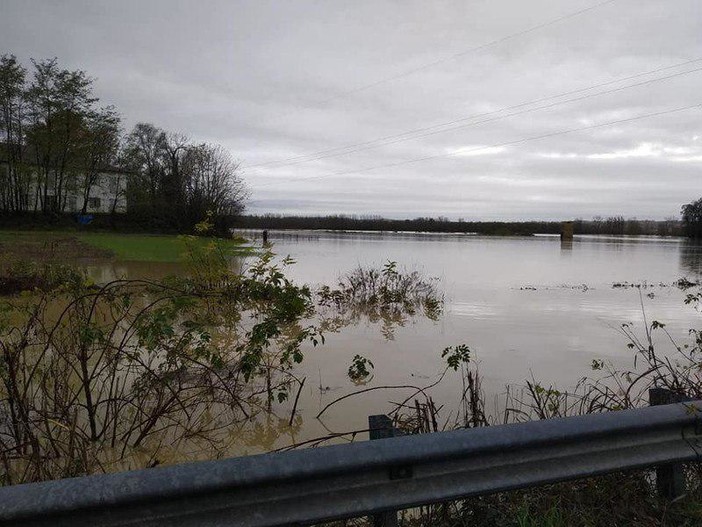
[{"x": 64, "y": 246}]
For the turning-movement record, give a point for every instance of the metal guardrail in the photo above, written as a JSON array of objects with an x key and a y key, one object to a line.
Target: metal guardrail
[{"x": 341, "y": 481}]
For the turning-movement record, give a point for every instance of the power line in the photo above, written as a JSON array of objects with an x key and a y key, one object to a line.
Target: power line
[
  {"x": 446, "y": 126},
  {"x": 455, "y": 56},
  {"x": 461, "y": 54},
  {"x": 496, "y": 145}
]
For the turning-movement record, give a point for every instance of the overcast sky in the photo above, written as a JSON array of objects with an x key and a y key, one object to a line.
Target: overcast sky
[{"x": 273, "y": 81}]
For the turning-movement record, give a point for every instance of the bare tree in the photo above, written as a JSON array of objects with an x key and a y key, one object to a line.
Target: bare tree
[
  {"x": 58, "y": 143},
  {"x": 100, "y": 147},
  {"x": 180, "y": 182},
  {"x": 59, "y": 104},
  {"x": 143, "y": 155},
  {"x": 213, "y": 182},
  {"x": 14, "y": 181}
]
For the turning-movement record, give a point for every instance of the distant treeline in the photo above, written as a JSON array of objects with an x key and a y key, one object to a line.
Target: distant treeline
[
  {"x": 134, "y": 223},
  {"x": 630, "y": 227},
  {"x": 611, "y": 225}
]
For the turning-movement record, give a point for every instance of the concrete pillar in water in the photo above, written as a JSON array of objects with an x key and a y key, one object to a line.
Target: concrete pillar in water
[{"x": 567, "y": 230}]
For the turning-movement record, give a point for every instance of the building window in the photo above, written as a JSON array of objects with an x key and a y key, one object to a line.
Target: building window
[{"x": 94, "y": 203}]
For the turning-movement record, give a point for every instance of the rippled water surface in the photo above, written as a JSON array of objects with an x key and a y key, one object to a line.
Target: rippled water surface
[{"x": 525, "y": 306}]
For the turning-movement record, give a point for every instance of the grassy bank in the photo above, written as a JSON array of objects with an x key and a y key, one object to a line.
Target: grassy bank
[
  {"x": 149, "y": 248},
  {"x": 73, "y": 245}
]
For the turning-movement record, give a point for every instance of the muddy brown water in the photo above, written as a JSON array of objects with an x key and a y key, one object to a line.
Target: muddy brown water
[{"x": 532, "y": 306}]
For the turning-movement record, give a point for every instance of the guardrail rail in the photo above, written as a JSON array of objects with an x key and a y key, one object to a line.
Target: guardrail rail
[{"x": 366, "y": 478}]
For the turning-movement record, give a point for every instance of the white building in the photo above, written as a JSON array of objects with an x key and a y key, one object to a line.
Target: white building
[{"x": 108, "y": 192}]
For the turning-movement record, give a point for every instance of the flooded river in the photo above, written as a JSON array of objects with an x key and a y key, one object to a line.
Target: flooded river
[{"x": 525, "y": 306}]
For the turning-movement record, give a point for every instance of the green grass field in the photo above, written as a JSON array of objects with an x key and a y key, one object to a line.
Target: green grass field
[
  {"x": 148, "y": 248},
  {"x": 132, "y": 247}
]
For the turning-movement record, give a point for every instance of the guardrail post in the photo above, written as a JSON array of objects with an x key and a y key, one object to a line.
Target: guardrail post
[
  {"x": 380, "y": 427},
  {"x": 670, "y": 478}
]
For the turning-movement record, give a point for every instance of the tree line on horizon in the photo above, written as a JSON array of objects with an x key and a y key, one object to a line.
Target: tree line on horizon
[
  {"x": 56, "y": 141},
  {"x": 615, "y": 225},
  {"x": 692, "y": 219}
]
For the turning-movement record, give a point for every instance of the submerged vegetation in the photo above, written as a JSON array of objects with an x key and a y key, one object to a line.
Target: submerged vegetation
[
  {"x": 22, "y": 277},
  {"x": 133, "y": 373},
  {"x": 631, "y": 498},
  {"x": 382, "y": 294}
]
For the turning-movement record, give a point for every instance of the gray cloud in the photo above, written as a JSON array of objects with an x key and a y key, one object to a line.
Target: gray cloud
[{"x": 274, "y": 80}]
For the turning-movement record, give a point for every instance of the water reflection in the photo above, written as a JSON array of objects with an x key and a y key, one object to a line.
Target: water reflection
[
  {"x": 267, "y": 432},
  {"x": 386, "y": 295},
  {"x": 554, "y": 327},
  {"x": 103, "y": 271},
  {"x": 691, "y": 257}
]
